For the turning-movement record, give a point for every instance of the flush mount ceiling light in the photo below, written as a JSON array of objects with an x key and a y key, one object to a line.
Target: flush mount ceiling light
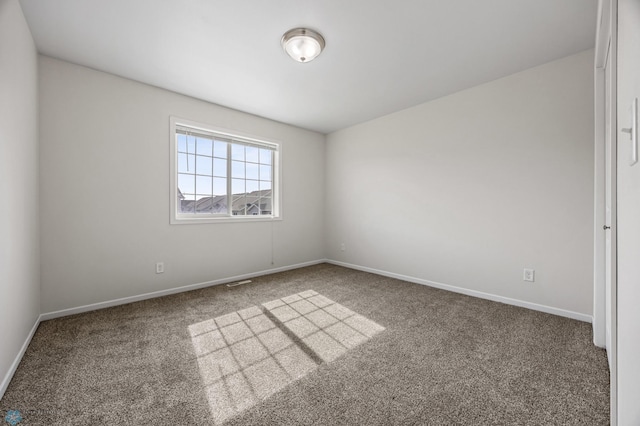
[{"x": 302, "y": 44}]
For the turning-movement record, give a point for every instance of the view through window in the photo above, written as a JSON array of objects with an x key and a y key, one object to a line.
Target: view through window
[{"x": 219, "y": 175}]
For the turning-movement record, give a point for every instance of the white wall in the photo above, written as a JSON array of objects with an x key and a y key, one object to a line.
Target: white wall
[
  {"x": 469, "y": 189},
  {"x": 628, "y": 219},
  {"x": 105, "y": 192},
  {"x": 19, "y": 241}
]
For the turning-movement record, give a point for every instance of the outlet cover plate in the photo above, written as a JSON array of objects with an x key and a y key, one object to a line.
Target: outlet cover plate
[{"x": 529, "y": 275}]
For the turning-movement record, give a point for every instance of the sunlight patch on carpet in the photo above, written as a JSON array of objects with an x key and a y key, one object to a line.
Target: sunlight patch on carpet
[{"x": 249, "y": 355}]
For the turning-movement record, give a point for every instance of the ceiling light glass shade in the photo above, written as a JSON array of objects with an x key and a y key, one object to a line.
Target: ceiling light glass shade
[{"x": 302, "y": 44}]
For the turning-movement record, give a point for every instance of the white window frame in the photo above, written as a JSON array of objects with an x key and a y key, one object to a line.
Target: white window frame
[{"x": 177, "y": 218}]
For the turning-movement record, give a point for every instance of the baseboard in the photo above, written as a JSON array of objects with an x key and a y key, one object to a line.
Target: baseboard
[
  {"x": 14, "y": 366},
  {"x": 152, "y": 295},
  {"x": 496, "y": 298},
  {"x": 515, "y": 302}
]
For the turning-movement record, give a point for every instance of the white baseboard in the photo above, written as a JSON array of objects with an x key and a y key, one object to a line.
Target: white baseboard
[
  {"x": 515, "y": 302},
  {"x": 152, "y": 295},
  {"x": 12, "y": 370},
  {"x": 496, "y": 298}
]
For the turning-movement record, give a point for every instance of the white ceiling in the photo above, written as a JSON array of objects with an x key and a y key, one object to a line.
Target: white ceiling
[{"x": 381, "y": 55}]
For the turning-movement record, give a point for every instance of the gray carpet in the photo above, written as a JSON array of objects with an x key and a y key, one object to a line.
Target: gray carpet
[{"x": 320, "y": 345}]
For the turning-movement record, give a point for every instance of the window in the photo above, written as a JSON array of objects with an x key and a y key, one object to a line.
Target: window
[{"x": 218, "y": 175}]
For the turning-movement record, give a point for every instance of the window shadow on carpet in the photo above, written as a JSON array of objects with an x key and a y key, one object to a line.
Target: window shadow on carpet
[{"x": 249, "y": 355}]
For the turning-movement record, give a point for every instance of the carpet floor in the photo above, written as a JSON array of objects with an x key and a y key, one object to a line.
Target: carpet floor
[{"x": 319, "y": 345}]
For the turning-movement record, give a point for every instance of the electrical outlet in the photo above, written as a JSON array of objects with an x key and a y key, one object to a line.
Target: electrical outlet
[
  {"x": 529, "y": 275},
  {"x": 160, "y": 268},
  {"x": 342, "y": 248}
]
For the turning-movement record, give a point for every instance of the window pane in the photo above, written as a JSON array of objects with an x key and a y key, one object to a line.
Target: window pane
[
  {"x": 252, "y": 171},
  {"x": 186, "y": 205},
  {"x": 253, "y": 205},
  {"x": 203, "y": 205},
  {"x": 220, "y": 167},
  {"x": 203, "y": 185},
  {"x": 219, "y": 204},
  {"x": 203, "y": 165},
  {"x": 220, "y": 149},
  {"x": 237, "y": 186},
  {"x": 252, "y": 185},
  {"x": 182, "y": 143},
  {"x": 245, "y": 205},
  {"x": 265, "y": 156},
  {"x": 237, "y": 169},
  {"x": 220, "y": 187},
  {"x": 191, "y": 144},
  {"x": 186, "y": 163},
  {"x": 204, "y": 146},
  {"x": 252, "y": 153},
  {"x": 186, "y": 183},
  {"x": 239, "y": 206},
  {"x": 265, "y": 205},
  {"x": 265, "y": 172},
  {"x": 265, "y": 185},
  {"x": 237, "y": 152}
]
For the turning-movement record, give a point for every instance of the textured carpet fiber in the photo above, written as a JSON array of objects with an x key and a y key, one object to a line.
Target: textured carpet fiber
[{"x": 319, "y": 345}]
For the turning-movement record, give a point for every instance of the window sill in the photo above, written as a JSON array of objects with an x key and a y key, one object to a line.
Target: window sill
[{"x": 221, "y": 219}]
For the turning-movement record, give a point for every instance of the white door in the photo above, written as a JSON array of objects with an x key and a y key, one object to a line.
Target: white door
[{"x": 609, "y": 227}]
